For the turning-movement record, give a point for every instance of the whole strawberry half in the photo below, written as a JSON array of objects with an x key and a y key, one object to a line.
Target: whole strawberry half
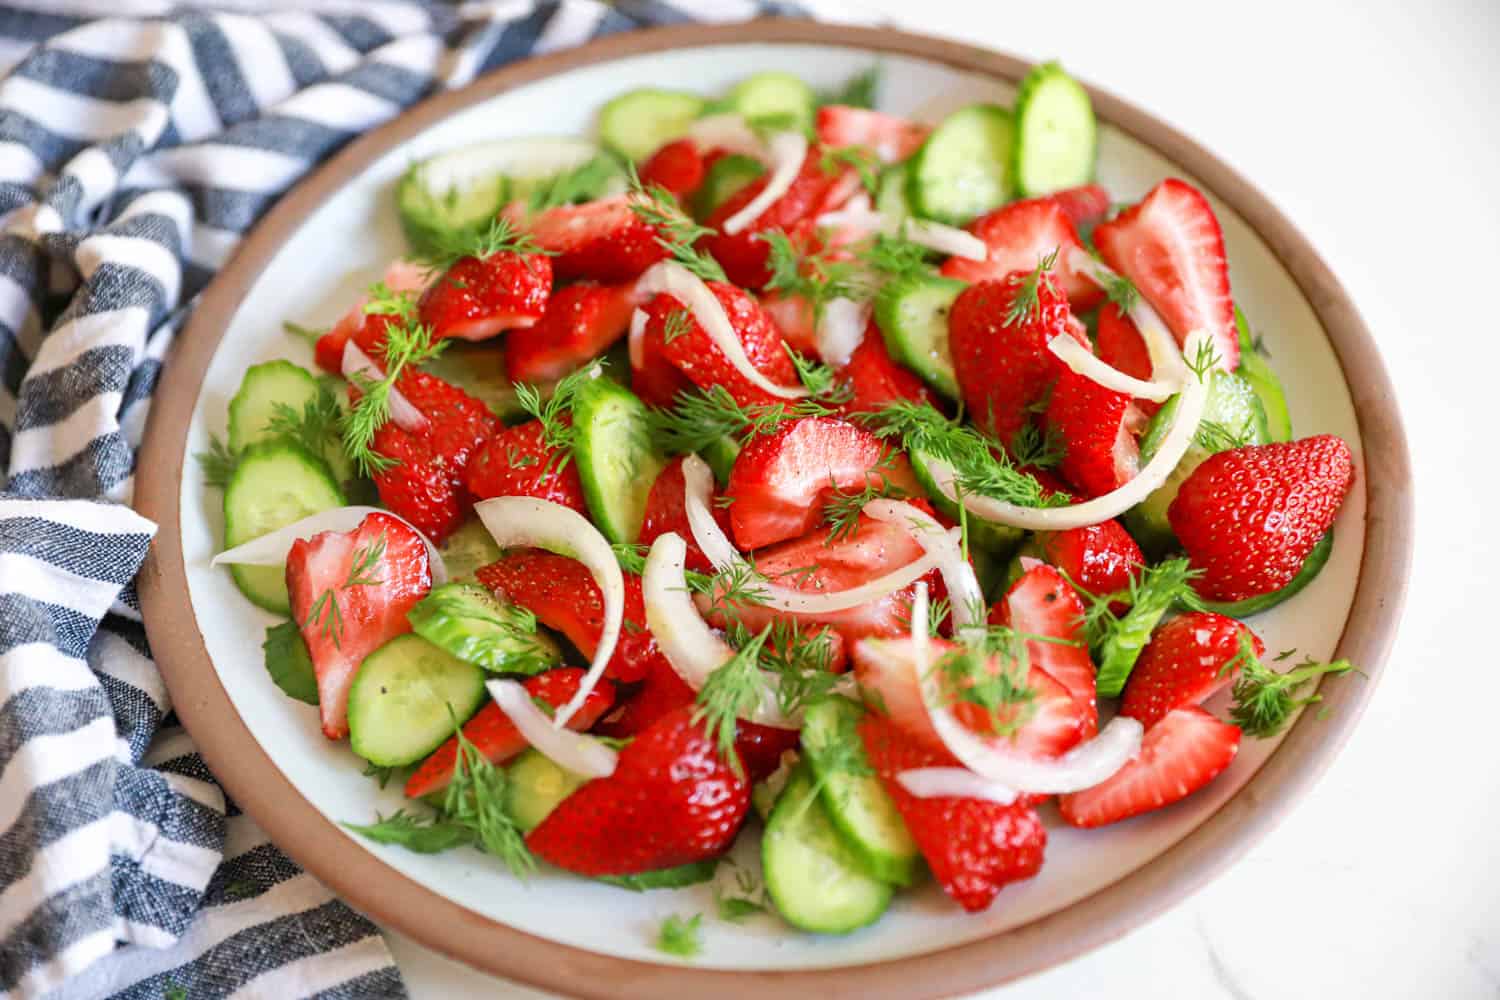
[
  {"x": 1180, "y": 754},
  {"x": 603, "y": 240},
  {"x": 781, "y": 481},
  {"x": 678, "y": 167},
  {"x": 350, "y": 592},
  {"x": 496, "y": 737},
  {"x": 518, "y": 462},
  {"x": 1019, "y": 236},
  {"x": 1099, "y": 558},
  {"x": 1186, "y": 661},
  {"x": 1043, "y": 605},
  {"x": 975, "y": 848},
  {"x": 874, "y": 380},
  {"x": 666, "y": 511},
  {"x": 672, "y": 800},
  {"x": 1097, "y": 429},
  {"x": 890, "y": 137},
  {"x": 674, "y": 335},
  {"x": 563, "y": 596},
  {"x": 425, "y": 482},
  {"x": 1000, "y": 349},
  {"x": 1120, "y": 346},
  {"x": 479, "y": 297},
  {"x": 1171, "y": 247},
  {"x": 744, "y": 255},
  {"x": 1249, "y": 516},
  {"x": 581, "y": 321}
]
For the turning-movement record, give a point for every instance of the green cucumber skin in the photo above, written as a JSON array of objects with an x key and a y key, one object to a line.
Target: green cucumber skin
[
  {"x": 395, "y": 715},
  {"x": 999, "y": 540},
  {"x": 912, "y": 314},
  {"x": 774, "y": 94},
  {"x": 890, "y": 197},
  {"x": 469, "y": 548},
  {"x": 727, "y": 176},
  {"x": 535, "y": 787},
  {"x": 1035, "y": 170},
  {"x": 977, "y": 141},
  {"x": 812, "y": 877},
  {"x": 638, "y": 123},
  {"x": 1316, "y": 559},
  {"x": 422, "y": 216},
  {"x": 614, "y": 455},
  {"x": 1258, "y": 372},
  {"x": 857, "y": 804},
  {"x": 262, "y": 469},
  {"x": 467, "y": 621}
]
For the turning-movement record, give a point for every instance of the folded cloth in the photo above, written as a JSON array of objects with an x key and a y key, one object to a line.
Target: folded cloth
[{"x": 135, "y": 151}]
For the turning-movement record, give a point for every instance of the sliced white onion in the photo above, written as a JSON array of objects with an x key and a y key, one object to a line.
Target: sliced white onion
[
  {"x": 955, "y": 242},
  {"x": 728, "y": 131},
  {"x": 921, "y": 631},
  {"x": 403, "y": 413},
  {"x": 637, "y": 339},
  {"x": 841, "y": 329},
  {"x": 577, "y": 752},
  {"x": 722, "y": 553},
  {"x": 673, "y": 279},
  {"x": 954, "y": 783},
  {"x": 527, "y": 521},
  {"x": 1088, "y": 364},
  {"x": 1085, "y": 766},
  {"x": 271, "y": 549},
  {"x": 692, "y": 648},
  {"x": 965, "y": 596},
  {"x": 1112, "y": 504},
  {"x": 788, "y": 150},
  {"x": 1167, "y": 366}
]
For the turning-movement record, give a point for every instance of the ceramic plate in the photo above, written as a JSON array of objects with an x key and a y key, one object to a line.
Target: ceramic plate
[{"x": 334, "y": 235}]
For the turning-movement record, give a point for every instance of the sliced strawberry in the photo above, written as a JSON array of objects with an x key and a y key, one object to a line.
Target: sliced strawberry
[
  {"x": 1094, "y": 424},
  {"x": 1019, "y": 236},
  {"x": 1084, "y": 206},
  {"x": 1171, "y": 247},
  {"x": 1186, "y": 661},
  {"x": 889, "y": 137},
  {"x": 581, "y": 321},
  {"x": 666, "y": 511},
  {"x": 874, "y": 379},
  {"x": 1248, "y": 517},
  {"x": 653, "y": 378},
  {"x": 1054, "y": 720},
  {"x": 401, "y": 276},
  {"x": 685, "y": 345},
  {"x": 794, "y": 320},
  {"x": 343, "y": 624},
  {"x": 1180, "y": 754},
  {"x": 603, "y": 240},
  {"x": 1042, "y": 604},
  {"x": 1099, "y": 559},
  {"x": 1121, "y": 346},
  {"x": 744, "y": 255},
  {"x": 1004, "y": 369},
  {"x": 677, "y": 166},
  {"x": 672, "y": 800},
  {"x": 974, "y": 847},
  {"x": 497, "y": 739},
  {"x": 517, "y": 462},
  {"x": 563, "y": 596},
  {"x": 479, "y": 297},
  {"x": 780, "y": 481},
  {"x": 425, "y": 482}
]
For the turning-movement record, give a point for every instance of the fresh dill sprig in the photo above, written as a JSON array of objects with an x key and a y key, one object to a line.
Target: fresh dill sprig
[
  {"x": 815, "y": 276},
  {"x": 819, "y": 379},
  {"x": 732, "y": 690},
  {"x": 1034, "y": 448},
  {"x": 556, "y": 411},
  {"x": 859, "y": 91},
  {"x": 1213, "y": 436},
  {"x": 843, "y": 508},
  {"x": 217, "y": 462},
  {"x": 897, "y": 257},
  {"x": 408, "y": 343},
  {"x": 1027, "y": 303},
  {"x": 1121, "y": 291},
  {"x": 861, "y": 159},
  {"x": 326, "y": 612},
  {"x": 315, "y": 427},
  {"x": 969, "y": 675},
  {"x": 475, "y": 800},
  {"x": 682, "y": 937},
  {"x": 1205, "y": 359},
  {"x": 580, "y": 183},
  {"x": 307, "y": 333},
  {"x": 677, "y": 322},
  {"x": 676, "y": 232},
  {"x": 499, "y": 235},
  {"x": 1265, "y": 700},
  {"x": 700, "y": 417},
  {"x": 801, "y": 657},
  {"x": 736, "y": 908},
  {"x": 631, "y": 556}
]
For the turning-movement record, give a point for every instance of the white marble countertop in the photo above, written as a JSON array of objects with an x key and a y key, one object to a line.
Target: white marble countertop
[{"x": 1374, "y": 128}]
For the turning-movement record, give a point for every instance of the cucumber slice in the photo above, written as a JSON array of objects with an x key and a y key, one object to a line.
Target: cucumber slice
[
  {"x": 616, "y": 460},
  {"x": 1316, "y": 559},
  {"x": 1056, "y": 136},
  {"x": 815, "y": 880},
  {"x": 1257, "y": 371},
  {"x": 727, "y": 176},
  {"x": 720, "y": 455},
  {"x": 289, "y": 663},
  {"x": 276, "y": 483},
  {"x": 691, "y": 873},
  {"x": 963, "y": 169},
  {"x": 1232, "y": 404},
  {"x": 255, "y": 405},
  {"x": 456, "y": 193},
  {"x": 471, "y": 623},
  {"x": 469, "y": 548},
  {"x": 406, "y": 699},
  {"x": 534, "y": 786},
  {"x": 638, "y": 123},
  {"x": 912, "y": 313},
  {"x": 778, "y": 97},
  {"x": 890, "y": 194},
  {"x": 857, "y": 804},
  {"x": 997, "y": 539}
]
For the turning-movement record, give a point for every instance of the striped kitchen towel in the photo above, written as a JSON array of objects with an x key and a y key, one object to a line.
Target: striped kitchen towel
[{"x": 139, "y": 140}]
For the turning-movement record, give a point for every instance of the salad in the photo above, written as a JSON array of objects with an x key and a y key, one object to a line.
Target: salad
[{"x": 776, "y": 467}]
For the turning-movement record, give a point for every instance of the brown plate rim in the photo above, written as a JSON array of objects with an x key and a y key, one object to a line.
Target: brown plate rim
[{"x": 374, "y": 887}]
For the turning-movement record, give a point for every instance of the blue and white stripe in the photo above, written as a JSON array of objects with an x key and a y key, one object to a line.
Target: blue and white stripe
[{"x": 139, "y": 140}]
